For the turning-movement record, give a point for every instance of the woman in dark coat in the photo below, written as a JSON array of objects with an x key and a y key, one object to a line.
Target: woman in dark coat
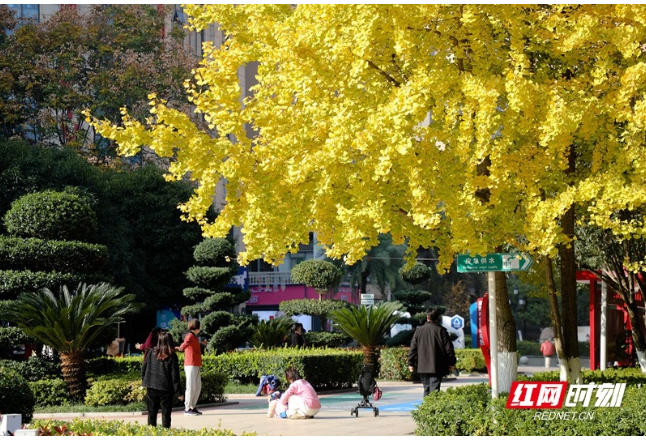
[{"x": 160, "y": 375}]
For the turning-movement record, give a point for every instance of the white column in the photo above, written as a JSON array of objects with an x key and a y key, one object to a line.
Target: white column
[
  {"x": 493, "y": 334},
  {"x": 603, "y": 324}
]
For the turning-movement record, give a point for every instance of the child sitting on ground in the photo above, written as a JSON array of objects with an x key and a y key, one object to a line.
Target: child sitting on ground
[{"x": 298, "y": 402}]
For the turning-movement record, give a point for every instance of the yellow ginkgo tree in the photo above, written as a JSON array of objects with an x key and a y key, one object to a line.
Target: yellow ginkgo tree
[{"x": 463, "y": 127}]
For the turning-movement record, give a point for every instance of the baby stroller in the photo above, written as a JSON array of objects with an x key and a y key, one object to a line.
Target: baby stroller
[{"x": 366, "y": 386}]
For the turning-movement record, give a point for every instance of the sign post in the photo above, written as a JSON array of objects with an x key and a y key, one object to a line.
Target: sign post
[
  {"x": 492, "y": 263},
  {"x": 367, "y": 299}
]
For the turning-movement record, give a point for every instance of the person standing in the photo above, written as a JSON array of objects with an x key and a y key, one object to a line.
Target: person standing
[
  {"x": 192, "y": 365},
  {"x": 151, "y": 341},
  {"x": 431, "y": 351},
  {"x": 160, "y": 375}
]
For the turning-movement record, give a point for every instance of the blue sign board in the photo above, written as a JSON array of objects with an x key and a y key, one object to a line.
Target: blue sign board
[{"x": 457, "y": 322}]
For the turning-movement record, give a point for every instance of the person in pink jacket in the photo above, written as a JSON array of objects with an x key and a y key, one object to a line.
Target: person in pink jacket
[{"x": 299, "y": 401}]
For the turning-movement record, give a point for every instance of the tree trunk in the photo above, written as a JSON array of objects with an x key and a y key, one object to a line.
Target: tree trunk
[
  {"x": 370, "y": 357},
  {"x": 507, "y": 359},
  {"x": 73, "y": 368},
  {"x": 572, "y": 364}
]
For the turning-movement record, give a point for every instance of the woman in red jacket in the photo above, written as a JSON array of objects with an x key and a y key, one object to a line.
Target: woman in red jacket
[{"x": 192, "y": 365}]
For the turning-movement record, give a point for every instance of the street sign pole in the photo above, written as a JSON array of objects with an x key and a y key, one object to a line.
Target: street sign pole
[{"x": 493, "y": 333}]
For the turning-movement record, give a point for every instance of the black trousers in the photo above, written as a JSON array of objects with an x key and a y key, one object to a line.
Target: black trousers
[
  {"x": 431, "y": 382},
  {"x": 156, "y": 400}
]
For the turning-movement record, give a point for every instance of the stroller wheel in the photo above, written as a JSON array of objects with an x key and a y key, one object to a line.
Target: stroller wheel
[{"x": 376, "y": 412}]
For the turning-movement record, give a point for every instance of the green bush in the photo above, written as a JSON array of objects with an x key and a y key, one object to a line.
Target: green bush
[
  {"x": 394, "y": 362},
  {"x": 326, "y": 339},
  {"x": 52, "y": 215},
  {"x": 101, "y": 366},
  {"x": 319, "y": 274},
  {"x": 34, "y": 368},
  {"x": 528, "y": 348},
  {"x": 13, "y": 336},
  {"x": 312, "y": 307},
  {"x": 324, "y": 368},
  {"x": 97, "y": 427},
  {"x": 417, "y": 274},
  {"x": 112, "y": 392},
  {"x": 213, "y": 385},
  {"x": 214, "y": 252},
  {"x": 207, "y": 276},
  {"x": 51, "y": 255},
  {"x": 402, "y": 338},
  {"x": 271, "y": 333},
  {"x": 13, "y": 282},
  {"x": 470, "y": 411},
  {"x": 15, "y": 395},
  {"x": 50, "y": 392}
]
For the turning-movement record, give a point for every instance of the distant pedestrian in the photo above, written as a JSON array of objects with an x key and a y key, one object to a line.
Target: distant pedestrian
[
  {"x": 151, "y": 340},
  {"x": 192, "y": 365},
  {"x": 298, "y": 338},
  {"x": 160, "y": 375},
  {"x": 431, "y": 352}
]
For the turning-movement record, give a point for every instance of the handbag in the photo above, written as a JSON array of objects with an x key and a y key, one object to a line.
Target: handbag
[{"x": 376, "y": 395}]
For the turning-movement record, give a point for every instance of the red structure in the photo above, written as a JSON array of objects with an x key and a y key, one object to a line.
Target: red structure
[{"x": 619, "y": 343}]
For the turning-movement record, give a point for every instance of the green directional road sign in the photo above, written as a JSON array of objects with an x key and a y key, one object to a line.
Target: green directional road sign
[{"x": 494, "y": 262}]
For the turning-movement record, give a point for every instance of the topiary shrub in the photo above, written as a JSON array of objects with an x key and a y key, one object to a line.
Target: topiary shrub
[
  {"x": 402, "y": 338},
  {"x": 417, "y": 274},
  {"x": 15, "y": 395},
  {"x": 318, "y": 274},
  {"x": 52, "y": 215},
  {"x": 214, "y": 252},
  {"x": 35, "y": 368}
]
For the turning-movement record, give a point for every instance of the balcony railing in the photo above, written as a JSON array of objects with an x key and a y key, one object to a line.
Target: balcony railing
[{"x": 269, "y": 278}]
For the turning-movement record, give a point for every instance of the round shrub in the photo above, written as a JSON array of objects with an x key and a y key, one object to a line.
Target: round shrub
[
  {"x": 52, "y": 215},
  {"x": 113, "y": 392},
  {"x": 15, "y": 395},
  {"x": 215, "y": 252},
  {"x": 207, "y": 276},
  {"x": 316, "y": 273},
  {"x": 50, "y": 392},
  {"x": 416, "y": 274}
]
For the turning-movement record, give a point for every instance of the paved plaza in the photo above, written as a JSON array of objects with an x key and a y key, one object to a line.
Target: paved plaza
[{"x": 245, "y": 413}]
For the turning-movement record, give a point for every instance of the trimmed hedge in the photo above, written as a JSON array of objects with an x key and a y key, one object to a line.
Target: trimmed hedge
[
  {"x": 51, "y": 255},
  {"x": 394, "y": 362},
  {"x": 470, "y": 411},
  {"x": 34, "y": 368},
  {"x": 119, "y": 428},
  {"x": 326, "y": 339},
  {"x": 14, "y": 282},
  {"x": 324, "y": 369},
  {"x": 52, "y": 215},
  {"x": 50, "y": 392}
]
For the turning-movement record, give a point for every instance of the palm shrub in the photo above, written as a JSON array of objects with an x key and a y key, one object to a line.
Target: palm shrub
[
  {"x": 271, "y": 333},
  {"x": 70, "y": 322},
  {"x": 367, "y": 325}
]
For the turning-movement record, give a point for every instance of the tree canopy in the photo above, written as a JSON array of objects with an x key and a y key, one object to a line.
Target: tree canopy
[{"x": 463, "y": 127}]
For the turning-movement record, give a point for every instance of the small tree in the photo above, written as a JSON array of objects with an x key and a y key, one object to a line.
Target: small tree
[
  {"x": 319, "y": 274},
  {"x": 367, "y": 325}
]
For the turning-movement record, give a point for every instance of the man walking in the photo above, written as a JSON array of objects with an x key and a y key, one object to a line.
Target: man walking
[{"x": 431, "y": 350}]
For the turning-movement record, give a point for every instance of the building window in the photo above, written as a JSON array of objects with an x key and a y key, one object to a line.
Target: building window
[{"x": 26, "y": 13}]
